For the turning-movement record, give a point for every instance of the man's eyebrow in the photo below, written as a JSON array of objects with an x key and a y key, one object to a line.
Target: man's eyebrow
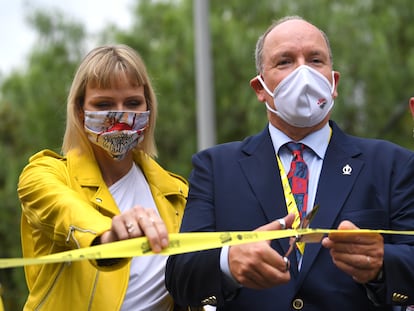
[
  {"x": 318, "y": 52},
  {"x": 280, "y": 54}
]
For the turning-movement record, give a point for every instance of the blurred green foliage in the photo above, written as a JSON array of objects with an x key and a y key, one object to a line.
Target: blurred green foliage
[{"x": 373, "y": 48}]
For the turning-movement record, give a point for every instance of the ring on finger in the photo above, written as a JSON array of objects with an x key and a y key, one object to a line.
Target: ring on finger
[
  {"x": 282, "y": 223},
  {"x": 130, "y": 227},
  {"x": 287, "y": 263},
  {"x": 368, "y": 261}
]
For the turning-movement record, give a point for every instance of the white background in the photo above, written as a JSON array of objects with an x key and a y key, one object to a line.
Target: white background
[{"x": 16, "y": 38}]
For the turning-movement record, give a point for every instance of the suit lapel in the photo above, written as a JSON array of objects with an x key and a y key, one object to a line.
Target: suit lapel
[{"x": 261, "y": 170}]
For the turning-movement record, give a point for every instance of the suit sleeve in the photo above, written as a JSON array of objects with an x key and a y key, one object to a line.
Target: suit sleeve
[
  {"x": 195, "y": 278},
  {"x": 399, "y": 249}
]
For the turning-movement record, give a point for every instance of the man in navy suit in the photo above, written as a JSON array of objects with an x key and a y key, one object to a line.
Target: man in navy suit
[{"x": 357, "y": 183}]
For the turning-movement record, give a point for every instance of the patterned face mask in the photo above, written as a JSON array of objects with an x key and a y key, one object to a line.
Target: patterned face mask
[{"x": 117, "y": 132}]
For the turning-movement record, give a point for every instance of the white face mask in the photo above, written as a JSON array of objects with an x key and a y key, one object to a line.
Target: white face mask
[
  {"x": 303, "y": 98},
  {"x": 117, "y": 132}
]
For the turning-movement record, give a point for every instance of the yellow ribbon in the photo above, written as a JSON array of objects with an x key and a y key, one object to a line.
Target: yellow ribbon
[{"x": 181, "y": 243}]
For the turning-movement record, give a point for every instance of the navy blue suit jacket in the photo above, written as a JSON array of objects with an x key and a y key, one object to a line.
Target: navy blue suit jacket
[{"x": 237, "y": 186}]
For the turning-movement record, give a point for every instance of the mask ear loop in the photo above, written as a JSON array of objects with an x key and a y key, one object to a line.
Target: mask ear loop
[
  {"x": 333, "y": 83},
  {"x": 259, "y": 77},
  {"x": 268, "y": 92},
  {"x": 333, "y": 88}
]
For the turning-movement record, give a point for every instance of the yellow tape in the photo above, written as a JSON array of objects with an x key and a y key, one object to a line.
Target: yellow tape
[{"x": 179, "y": 243}]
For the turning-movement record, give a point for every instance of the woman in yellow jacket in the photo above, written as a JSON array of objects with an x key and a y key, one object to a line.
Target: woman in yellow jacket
[
  {"x": 106, "y": 186},
  {"x": 1, "y": 299}
]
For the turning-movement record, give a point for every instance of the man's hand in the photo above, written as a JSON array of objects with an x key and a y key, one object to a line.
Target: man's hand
[
  {"x": 359, "y": 255},
  {"x": 257, "y": 265}
]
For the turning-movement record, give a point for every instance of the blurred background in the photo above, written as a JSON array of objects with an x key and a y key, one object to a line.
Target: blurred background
[{"x": 372, "y": 43}]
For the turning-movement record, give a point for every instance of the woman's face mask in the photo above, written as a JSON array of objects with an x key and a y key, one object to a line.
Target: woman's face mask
[
  {"x": 117, "y": 132},
  {"x": 303, "y": 98}
]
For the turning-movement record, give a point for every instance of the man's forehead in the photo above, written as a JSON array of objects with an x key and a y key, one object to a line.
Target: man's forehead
[{"x": 295, "y": 34}]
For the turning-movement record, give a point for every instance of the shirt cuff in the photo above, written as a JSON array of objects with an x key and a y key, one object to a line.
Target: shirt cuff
[{"x": 225, "y": 269}]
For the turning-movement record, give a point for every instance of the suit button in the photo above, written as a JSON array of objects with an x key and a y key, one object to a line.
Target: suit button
[
  {"x": 212, "y": 300},
  {"x": 297, "y": 304}
]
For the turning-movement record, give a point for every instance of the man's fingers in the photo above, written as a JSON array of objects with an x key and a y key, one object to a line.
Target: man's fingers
[{"x": 279, "y": 224}]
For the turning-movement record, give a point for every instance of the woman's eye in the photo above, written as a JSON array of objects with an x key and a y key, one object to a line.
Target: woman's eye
[
  {"x": 102, "y": 105},
  {"x": 135, "y": 103}
]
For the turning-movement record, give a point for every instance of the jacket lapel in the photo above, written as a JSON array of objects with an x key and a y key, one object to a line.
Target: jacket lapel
[
  {"x": 86, "y": 172},
  {"x": 261, "y": 170},
  {"x": 169, "y": 190}
]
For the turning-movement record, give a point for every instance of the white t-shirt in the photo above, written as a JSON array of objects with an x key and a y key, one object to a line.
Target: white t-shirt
[{"x": 146, "y": 289}]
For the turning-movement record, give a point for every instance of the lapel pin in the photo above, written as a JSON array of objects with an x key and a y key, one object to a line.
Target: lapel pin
[{"x": 347, "y": 170}]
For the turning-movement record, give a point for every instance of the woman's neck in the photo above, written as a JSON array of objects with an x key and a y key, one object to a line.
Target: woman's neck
[{"x": 112, "y": 170}]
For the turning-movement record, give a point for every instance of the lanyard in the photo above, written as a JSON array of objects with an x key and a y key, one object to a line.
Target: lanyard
[{"x": 290, "y": 201}]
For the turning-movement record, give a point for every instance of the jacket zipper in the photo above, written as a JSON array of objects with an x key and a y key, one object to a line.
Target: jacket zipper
[
  {"x": 51, "y": 287},
  {"x": 93, "y": 291},
  {"x": 71, "y": 235}
]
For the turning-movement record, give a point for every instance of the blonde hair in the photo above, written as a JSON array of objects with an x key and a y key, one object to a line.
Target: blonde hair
[{"x": 102, "y": 67}]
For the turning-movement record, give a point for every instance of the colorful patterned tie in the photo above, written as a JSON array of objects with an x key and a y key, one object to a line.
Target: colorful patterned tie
[{"x": 298, "y": 177}]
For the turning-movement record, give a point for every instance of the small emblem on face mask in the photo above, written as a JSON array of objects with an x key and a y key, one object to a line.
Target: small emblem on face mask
[{"x": 322, "y": 103}]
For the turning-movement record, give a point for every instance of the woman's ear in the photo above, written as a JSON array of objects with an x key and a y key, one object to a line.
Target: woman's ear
[{"x": 81, "y": 112}]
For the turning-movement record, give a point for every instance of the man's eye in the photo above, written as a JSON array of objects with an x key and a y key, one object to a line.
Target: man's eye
[{"x": 283, "y": 62}]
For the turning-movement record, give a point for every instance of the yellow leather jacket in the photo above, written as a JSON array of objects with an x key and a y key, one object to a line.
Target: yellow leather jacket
[
  {"x": 1, "y": 300},
  {"x": 66, "y": 205}
]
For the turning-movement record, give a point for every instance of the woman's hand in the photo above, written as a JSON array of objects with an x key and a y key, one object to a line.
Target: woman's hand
[{"x": 136, "y": 222}]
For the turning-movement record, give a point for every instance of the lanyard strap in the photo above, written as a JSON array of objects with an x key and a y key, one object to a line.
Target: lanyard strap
[{"x": 290, "y": 200}]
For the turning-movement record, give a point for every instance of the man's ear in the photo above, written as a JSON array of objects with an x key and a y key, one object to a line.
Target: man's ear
[
  {"x": 411, "y": 104},
  {"x": 336, "y": 77},
  {"x": 258, "y": 88},
  {"x": 255, "y": 84}
]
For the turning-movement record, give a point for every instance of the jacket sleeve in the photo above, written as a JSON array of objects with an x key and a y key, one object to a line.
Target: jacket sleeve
[
  {"x": 399, "y": 249},
  {"x": 195, "y": 278},
  {"x": 53, "y": 203}
]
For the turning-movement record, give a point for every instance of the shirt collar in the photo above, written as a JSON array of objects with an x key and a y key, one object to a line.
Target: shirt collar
[{"x": 317, "y": 141}]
